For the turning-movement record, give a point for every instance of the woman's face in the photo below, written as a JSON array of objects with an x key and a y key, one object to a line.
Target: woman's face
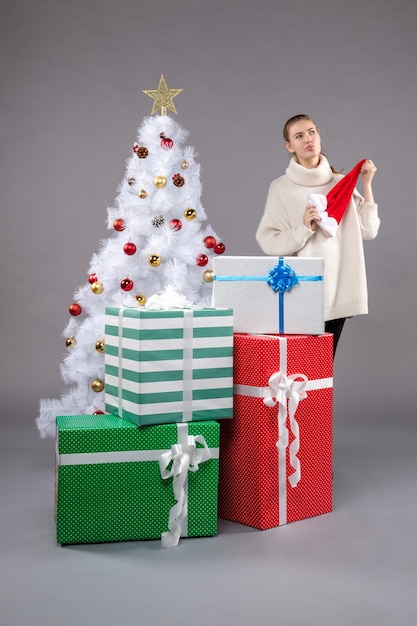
[{"x": 304, "y": 143}]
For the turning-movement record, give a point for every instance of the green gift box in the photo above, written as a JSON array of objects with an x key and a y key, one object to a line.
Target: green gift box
[
  {"x": 118, "y": 482},
  {"x": 166, "y": 366}
]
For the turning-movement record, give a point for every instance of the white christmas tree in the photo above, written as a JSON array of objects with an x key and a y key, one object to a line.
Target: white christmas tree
[{"x": 159, "y": 240}]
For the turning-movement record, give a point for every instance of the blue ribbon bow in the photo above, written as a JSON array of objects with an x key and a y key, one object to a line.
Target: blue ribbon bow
[{"x": 282, "y": 277}]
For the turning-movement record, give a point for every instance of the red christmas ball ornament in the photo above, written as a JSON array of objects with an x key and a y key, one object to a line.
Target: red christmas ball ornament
[
  {"x": 75, "y": 309},
  {"x": 98, "y": 412},
  {"x": 119, "y": 224},
  {"x": 92, "y": 278},
  {"x": 167, "y": 143},
  {"x": 202, "y": 260},
  {"x": 219, "y": 248},
  {"x": 210, "y": 241},
  {"x": 129, "y": 248},
  {"x": 175, "y": 224},
  {"x": 126, "y": 284}
]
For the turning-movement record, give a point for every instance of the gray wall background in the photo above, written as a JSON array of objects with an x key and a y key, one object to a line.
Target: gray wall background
[{"x": 72, "y": 75}]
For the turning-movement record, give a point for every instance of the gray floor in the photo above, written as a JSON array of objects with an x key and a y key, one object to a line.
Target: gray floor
[{"x": 355, "y": 566}]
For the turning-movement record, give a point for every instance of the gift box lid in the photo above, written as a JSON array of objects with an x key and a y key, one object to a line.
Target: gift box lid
[{"x": 104, "y": 433}]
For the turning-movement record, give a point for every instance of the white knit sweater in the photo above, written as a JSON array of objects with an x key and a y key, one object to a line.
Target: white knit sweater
[{"x": 281, "y": 232}]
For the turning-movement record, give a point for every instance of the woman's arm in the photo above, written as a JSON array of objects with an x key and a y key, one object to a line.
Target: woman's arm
[
  {"x": 367, "y": 208},
  {"x": 368, "y": 172},
  {"x": 277, "y": 233}
]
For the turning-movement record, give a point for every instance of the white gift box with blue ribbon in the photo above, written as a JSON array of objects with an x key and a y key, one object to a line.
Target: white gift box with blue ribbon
[{"x": 271, "y": 295}]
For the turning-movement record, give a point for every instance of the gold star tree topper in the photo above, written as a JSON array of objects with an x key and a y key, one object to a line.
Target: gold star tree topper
[{"x": 163, "y": 97}]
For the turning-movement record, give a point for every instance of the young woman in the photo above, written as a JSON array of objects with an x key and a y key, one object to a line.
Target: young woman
[{"x": 289, "y": 224}]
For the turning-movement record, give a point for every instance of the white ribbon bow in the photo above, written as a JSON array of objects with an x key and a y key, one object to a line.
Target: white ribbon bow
[
  {"x": 183, "y": 457},
  {"x": 283, "y": 389}
]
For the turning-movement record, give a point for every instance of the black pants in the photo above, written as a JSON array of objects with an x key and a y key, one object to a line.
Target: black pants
[{"x": 335, "y": 327}]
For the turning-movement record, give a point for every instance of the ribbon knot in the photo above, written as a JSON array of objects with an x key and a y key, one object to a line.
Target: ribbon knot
[
  {"x": 287, "y": 390},
  {"x": 183, "y": 457},
  {"x": 282, "y": 277},
  {"x": 279, "y": 389},
  {"x": 176, "y": 463}
]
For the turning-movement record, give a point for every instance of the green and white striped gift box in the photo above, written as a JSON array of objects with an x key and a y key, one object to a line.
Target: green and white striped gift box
[{"x": 165, "y": 366}]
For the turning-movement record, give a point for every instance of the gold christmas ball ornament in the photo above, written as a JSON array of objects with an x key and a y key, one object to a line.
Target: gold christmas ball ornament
[
  {"x": 190, "y": 214},
  {"x": 97, "y": 287},
  {"x": 208, "y": 276},
  {"x": 97, "y": 385},
  {"x": 70, "y": 342},
  {"x": 184, "y": 165},
  {"x": 100, "y": 345},
  {"x": 140, "y": 299},
  {"x": 142, "y": 194},
  {"x": 155, "y": 260},
  {"x": 160, "y": 182}
]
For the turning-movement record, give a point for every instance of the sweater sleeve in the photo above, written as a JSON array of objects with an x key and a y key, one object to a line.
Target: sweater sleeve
[
  {"x": 368, "y": 217},
  {"x": 277, "y": 235}
]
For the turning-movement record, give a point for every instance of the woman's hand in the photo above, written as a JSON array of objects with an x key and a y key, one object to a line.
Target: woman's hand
[
  {"x": 368, "y": 170},
  {"x": 311, "y": 216}
]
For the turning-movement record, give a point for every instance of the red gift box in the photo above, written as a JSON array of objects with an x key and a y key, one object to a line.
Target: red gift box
[{"x": 276, "y": 452}]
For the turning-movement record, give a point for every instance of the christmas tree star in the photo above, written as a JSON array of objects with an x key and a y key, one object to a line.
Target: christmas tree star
[{"x": 163, "y": 97}]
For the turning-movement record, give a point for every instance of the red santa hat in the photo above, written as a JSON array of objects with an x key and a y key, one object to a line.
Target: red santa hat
[{"x": 332, "y": 207}]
